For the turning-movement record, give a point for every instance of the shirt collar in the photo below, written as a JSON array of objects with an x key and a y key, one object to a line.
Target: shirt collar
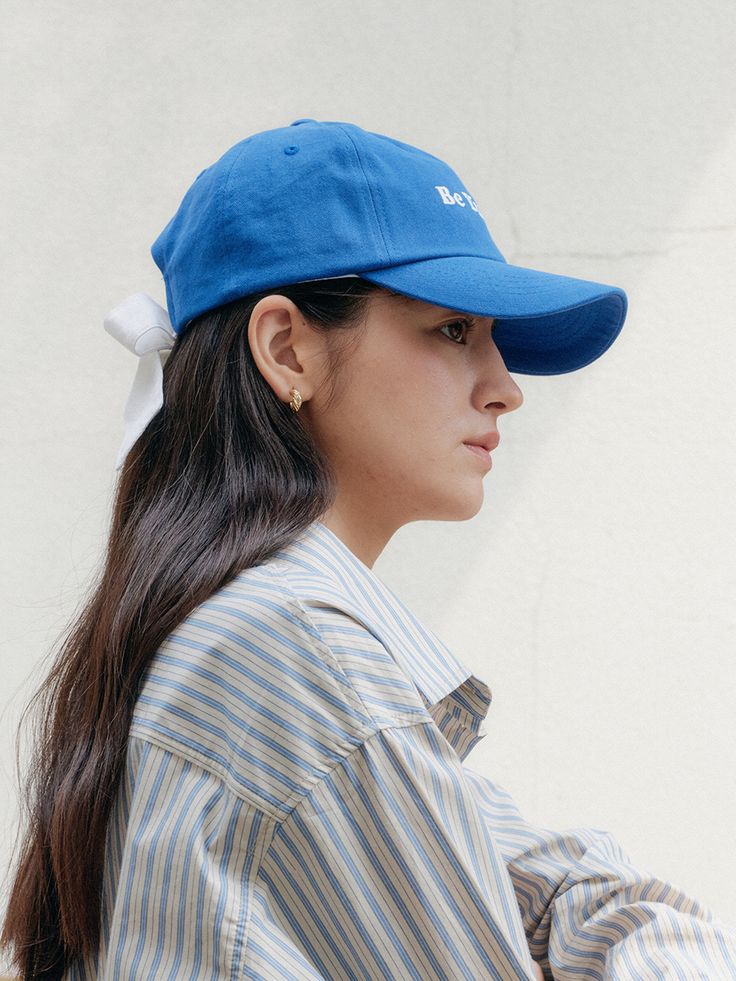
[{"x": 338, "y": 577}]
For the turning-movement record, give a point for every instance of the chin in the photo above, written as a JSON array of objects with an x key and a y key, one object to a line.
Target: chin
[{"x": 459, "y": 509}]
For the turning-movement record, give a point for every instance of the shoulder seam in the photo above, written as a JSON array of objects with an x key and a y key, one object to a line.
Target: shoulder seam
[
  {"x": 203, "y": 763},
  {"x": 363, "y": 726},
  {"x": 348, "y": 756}
]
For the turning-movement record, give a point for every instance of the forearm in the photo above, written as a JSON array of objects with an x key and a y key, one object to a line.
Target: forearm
[{"x": 617, "y": 923}]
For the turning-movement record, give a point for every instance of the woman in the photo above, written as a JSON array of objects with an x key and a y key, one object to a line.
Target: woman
[{"x": 252, "y": 754}]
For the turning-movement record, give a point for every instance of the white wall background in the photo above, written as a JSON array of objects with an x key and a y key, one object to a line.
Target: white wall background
[{"x": 595, "y": 590}]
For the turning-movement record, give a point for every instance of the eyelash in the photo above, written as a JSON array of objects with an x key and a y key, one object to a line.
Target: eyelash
[{"x": 469, "y": 328}]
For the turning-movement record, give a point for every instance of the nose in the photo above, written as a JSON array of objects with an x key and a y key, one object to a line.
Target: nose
[{"x": 499, "y": 388}]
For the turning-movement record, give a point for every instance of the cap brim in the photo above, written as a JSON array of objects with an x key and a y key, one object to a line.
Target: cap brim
[{"x": 546, "y": 324}]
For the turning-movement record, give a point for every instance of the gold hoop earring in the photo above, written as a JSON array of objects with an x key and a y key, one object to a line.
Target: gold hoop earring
[{"x": 296, "y": 399}]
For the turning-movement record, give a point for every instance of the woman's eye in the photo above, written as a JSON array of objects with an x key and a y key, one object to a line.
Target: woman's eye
[{"x": 466, "y": 324}]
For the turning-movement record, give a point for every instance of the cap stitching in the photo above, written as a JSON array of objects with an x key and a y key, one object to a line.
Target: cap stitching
[
  {"x": 224, "y": 187},
  {"x": 370, "y": 192}
]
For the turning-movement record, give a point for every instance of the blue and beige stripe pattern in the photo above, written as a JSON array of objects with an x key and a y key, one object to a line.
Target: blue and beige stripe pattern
[{"x": 296, "y": 804}]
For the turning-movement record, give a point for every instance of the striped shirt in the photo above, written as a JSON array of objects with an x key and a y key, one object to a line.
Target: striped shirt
[{"x": 296, "y": 804}]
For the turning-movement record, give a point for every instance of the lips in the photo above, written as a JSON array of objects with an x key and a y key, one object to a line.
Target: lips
[{"x": 489, "y": 441}]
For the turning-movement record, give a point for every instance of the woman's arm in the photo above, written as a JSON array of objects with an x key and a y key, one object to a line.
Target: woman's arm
[
  {"x": 384, "y": 871},
  {"x": 589, "y": 912}
]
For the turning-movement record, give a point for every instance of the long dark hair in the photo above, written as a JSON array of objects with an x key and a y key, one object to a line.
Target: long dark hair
[{"x": 224, "y": 475}]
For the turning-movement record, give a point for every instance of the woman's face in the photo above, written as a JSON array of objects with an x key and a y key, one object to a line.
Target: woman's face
[{"x": 416, "y": 387}]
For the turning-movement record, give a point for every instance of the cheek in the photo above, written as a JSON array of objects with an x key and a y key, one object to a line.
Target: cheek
[
  {"x": 428, "y": 391},
  {"x": 409, "y": 375},
  {"x": 398, "y": 392},
  {"x": 411, "y": 413},
  {"x": 399, "y": 406}
]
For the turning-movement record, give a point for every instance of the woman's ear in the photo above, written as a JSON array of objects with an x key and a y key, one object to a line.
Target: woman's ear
[{"x": 284, "y": 346}]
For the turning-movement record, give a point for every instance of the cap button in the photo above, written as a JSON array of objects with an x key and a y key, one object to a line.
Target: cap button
[{"x": 298, "y": 121}]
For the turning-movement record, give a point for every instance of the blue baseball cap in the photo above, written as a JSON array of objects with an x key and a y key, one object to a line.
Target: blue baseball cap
[{"x": 316, "y": 200}]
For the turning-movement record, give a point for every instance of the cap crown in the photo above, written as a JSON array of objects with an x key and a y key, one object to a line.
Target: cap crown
[{"x": 309, "y": 201}]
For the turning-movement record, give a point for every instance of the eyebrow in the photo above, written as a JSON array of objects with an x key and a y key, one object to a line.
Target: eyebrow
[{"x": 475, "y": 317}]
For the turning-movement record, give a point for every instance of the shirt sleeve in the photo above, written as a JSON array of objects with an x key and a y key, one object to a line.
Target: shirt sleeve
[
  {"x": 589, "y": 913},
  {"x": 387, "y": 870}
]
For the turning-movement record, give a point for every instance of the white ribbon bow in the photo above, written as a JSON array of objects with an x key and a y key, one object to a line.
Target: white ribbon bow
[{"x": 143, "y": 326}]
